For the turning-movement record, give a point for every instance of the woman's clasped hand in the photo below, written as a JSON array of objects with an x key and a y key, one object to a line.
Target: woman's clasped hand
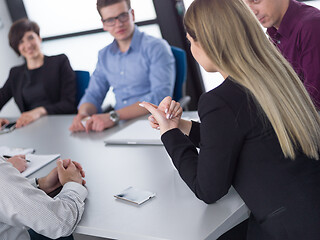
[{"x": 164, "y": 117}]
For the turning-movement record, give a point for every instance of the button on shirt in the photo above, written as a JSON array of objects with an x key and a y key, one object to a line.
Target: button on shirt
[
  {"x": 146, "y": 72},
  {"x": 22, "y": 205},
  {"x": 298, "y": 39}
]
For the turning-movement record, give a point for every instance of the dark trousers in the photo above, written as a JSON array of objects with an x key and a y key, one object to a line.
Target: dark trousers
[{"x": 36, "y": 236}]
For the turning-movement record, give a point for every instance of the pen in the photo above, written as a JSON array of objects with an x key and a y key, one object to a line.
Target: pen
[{"x": 6, "y": 156}]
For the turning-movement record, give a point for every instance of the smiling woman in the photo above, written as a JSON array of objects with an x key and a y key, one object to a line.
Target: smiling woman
[
  {"x": 44, "y": 84},
  {"x": 29, "y": 46}
]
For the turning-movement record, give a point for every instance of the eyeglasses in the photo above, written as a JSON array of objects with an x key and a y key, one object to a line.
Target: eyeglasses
[{"x": 123, "y": 17}]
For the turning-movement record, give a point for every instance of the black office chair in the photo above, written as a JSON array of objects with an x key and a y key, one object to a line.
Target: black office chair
[{"x": 181, "y": 76}]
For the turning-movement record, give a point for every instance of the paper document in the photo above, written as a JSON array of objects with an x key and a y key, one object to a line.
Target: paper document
[
  {"x": 37, "y": 162},
  {"x": 4, "y": 150},
  {"x": 137, "y": 133}
]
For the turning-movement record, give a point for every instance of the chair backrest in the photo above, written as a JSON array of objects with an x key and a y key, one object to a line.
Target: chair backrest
[
  {"x": 82, "y": 79},
  {"x": 181, "y": 71}
]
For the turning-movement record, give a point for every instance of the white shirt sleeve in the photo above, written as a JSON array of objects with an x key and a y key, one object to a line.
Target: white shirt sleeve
[{"x": 23, "y": 205}]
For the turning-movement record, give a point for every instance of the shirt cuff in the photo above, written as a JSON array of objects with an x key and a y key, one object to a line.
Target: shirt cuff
[
  {"x": 32, "y": 181},
  {"x": 73, "y": 186}
]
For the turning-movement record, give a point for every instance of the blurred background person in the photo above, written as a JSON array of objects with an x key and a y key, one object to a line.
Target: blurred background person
[
  {"x": 43, "y": 84},
  {"x": 294, "y": 28},
  {"x": 138, "y": 66}
]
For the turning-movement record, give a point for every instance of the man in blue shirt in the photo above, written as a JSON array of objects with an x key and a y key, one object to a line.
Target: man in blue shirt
[{"x": 138, "y": 67}]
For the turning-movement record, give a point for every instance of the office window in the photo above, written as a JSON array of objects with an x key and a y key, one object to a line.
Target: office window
[
  {"x": 314, "y": 3},
  {"x": 59, "y": 17}
]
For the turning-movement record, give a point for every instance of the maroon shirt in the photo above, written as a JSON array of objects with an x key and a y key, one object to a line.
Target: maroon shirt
[{"x": 298, "y": 39}]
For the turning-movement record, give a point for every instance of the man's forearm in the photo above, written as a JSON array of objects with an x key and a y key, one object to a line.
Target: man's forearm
[{"x": 87, "y": 109}]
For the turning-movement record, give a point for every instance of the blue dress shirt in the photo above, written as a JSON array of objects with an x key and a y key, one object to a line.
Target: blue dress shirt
[{"x": 146, "y": 72}]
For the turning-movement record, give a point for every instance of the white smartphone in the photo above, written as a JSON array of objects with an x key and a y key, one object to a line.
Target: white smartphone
[{"x": 135, "y": 195}]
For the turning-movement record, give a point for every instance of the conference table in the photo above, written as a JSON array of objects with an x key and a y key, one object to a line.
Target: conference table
[{"x": 174, "y": 213}]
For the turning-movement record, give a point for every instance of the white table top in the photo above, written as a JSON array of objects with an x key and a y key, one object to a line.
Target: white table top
[{"x": 175, "y": 212}]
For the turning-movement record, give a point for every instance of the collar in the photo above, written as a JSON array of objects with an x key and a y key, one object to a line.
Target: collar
[
  {"x": 135, "y": 42},
  {"x": 289, "y": 21}
]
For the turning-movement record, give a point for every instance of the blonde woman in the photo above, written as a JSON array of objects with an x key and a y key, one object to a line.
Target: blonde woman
[{"x": 259, "y": 130}]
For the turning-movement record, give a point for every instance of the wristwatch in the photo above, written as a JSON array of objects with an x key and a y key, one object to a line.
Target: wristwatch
[
  {"x": 36, "y": 180},
  {"x": 114, "y": 116}
]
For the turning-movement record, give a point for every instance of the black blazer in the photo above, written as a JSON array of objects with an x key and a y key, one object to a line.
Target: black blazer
[
  {"x": 239, "y": 147},
  {"x": 59, "y": 83}
]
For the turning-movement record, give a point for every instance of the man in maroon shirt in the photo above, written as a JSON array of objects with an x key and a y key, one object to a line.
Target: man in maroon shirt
[{"x": 295, "y": 29}]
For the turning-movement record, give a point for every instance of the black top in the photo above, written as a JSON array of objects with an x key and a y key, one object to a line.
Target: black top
[
  {"x": 33, "y": 92},
  {"x": 52, "y": 86},
  {"x": 239, "y": 147}
]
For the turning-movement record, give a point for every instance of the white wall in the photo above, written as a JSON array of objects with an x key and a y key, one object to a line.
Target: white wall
[{"x": 8, "y": 58}]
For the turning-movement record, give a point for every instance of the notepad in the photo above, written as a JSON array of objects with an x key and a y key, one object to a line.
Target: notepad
[
  {"x": 10, "y": 151},
  {"x": 37, "y": 162},
  {"x": 137, "y": 133}
]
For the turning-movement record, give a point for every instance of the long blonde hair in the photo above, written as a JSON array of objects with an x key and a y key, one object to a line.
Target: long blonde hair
[{"x": 233, "y": 39}]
